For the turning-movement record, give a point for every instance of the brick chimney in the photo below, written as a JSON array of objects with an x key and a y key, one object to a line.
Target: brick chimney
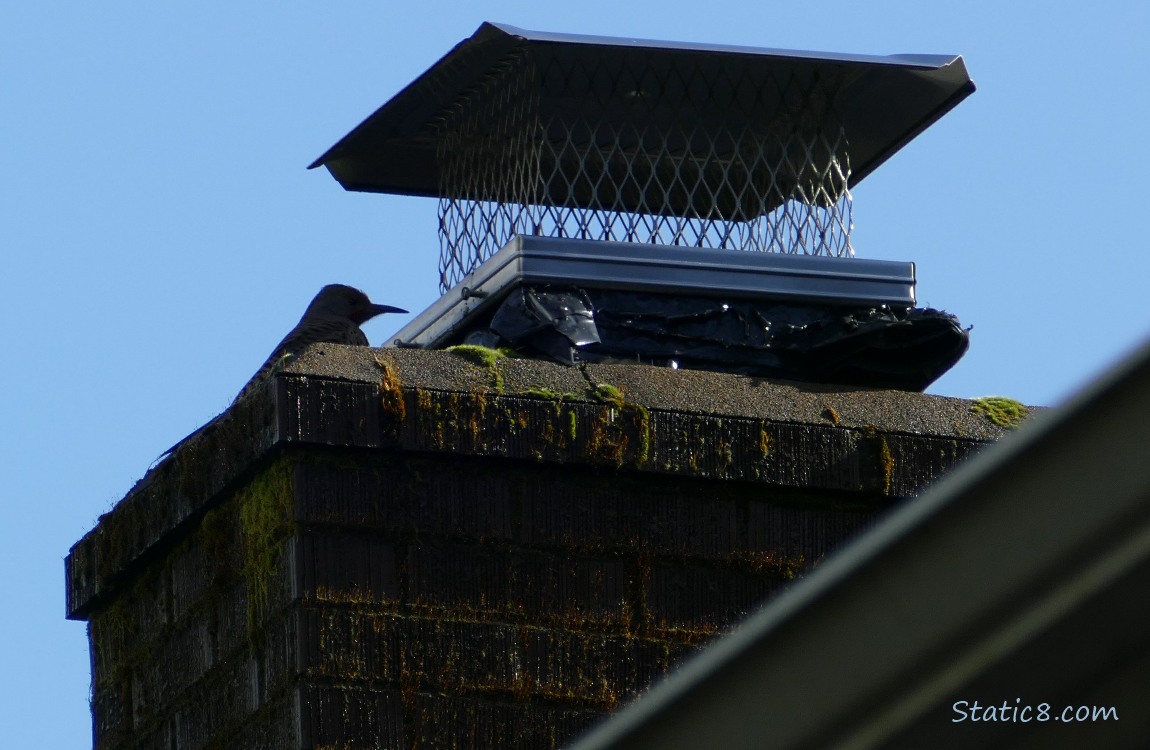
[
  {"x": 440, "y": 545},
  {"x": 403, "y": 548}
]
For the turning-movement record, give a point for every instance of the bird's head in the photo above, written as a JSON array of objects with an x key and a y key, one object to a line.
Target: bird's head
[{"x": 341, "y": 301}]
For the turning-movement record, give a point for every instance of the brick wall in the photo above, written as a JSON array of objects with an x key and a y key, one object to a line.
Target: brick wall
[{"x": 354, "y": 565}]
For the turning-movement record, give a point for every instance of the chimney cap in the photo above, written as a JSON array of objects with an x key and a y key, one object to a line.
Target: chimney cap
[{"x": 883, "y": 101}]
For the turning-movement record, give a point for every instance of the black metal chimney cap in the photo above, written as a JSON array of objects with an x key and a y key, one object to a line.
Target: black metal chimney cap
[{"x": 885, "y": 102}]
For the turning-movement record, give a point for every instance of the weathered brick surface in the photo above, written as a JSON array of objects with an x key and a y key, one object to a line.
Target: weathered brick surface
[
  {"x": 470, "y": 579},
  {"x": 705, "y": 599},
  {"x": 460, "y": 657},
  {"x": 336, "y": 566},
  {"x": 593, "y": 667},
  {"x": 478, "y": 724},
  {"x": 347, "y": 643},
  {"x": 538, "y": 599},
  {"x": 353, "y": 717},
  {"x": 556, "y": 586},
  {"x": 800, "y": 534},
  {"x": 413, "y": 566}
]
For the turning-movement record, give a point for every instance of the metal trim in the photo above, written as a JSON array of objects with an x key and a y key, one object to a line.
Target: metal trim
[{"x": 653, "y": 268}]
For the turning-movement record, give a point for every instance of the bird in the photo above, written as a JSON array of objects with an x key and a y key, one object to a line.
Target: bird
[{"x": 334, "y": 316}]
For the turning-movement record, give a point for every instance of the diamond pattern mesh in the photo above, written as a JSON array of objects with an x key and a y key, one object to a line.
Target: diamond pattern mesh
[{"x": 651, "y": 146}]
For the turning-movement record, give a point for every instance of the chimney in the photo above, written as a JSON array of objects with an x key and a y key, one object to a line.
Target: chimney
[
  {"x": 674, "y": 204},
  {"x": 657, "y": 388}
]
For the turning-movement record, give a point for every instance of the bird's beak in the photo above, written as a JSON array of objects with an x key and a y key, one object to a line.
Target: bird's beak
[{"x": 380, "y": 309}]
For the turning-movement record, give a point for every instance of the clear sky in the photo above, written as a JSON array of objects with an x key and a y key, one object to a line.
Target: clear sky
[{"x": 160, "y": 233}]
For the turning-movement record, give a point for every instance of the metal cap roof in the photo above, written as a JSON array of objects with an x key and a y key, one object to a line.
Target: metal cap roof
[{"x": 883, "y": 101}]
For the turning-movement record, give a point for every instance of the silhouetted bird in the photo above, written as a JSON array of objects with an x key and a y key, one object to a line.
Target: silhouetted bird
[{"x": 333, "y": 317}]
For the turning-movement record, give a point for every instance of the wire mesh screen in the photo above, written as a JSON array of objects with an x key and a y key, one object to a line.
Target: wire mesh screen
[{"x": 650, "y": 146}]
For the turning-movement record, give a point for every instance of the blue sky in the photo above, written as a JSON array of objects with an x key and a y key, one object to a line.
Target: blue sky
[{"x": 160, "y": 232}]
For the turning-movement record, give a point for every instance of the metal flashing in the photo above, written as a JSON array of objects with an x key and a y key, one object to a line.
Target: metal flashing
[{"x": 651, "y": 268}]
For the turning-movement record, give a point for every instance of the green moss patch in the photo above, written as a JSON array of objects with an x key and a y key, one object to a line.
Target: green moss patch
[
  {"x": 1002, "y": 411},
  {"x": 266, "y": 520},
  {"x": 483, "y": 356},
  {"x": 479, "y": 355}
]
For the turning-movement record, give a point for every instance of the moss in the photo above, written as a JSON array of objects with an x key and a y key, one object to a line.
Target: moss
[
  {"x": 726, "y": 455},
  {"x": 608, "y": 394},
  {"x": 612, "y": 434},
  {"x": 562, "y": 411},
  {"x": 484, "y": 357},
  {"x": 642, "y": 419},
  {"x": 430, "y": 415},
  {"x": 477, "y": 418},
  {"x": 622, "y": 428},
  {"x": 479, "y": 355},
  {"x": 266, "y": 520},
  {"x": 608, "y": 444},
  {"x": 886, "y": 462},
  {"x": 1002, "y": 411},
  {"x": 766, "y": 442},
  {"x": 391, "y": 393}
]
